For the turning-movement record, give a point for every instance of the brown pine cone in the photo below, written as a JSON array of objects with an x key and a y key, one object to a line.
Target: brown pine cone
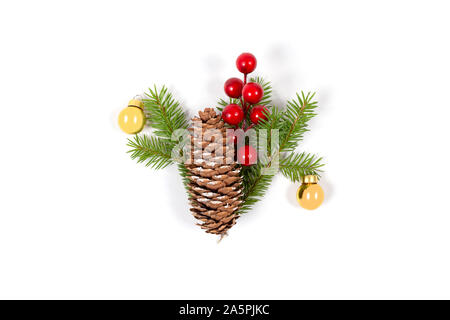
[{"x": 215, "y": 183}]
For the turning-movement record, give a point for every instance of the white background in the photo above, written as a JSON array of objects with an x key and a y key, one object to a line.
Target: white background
[{"x": 80, "y": 219}]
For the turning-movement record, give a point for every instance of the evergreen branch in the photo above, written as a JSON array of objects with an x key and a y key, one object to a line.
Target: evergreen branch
[
  {"x": 166, "y": 114},
  {"x": 267, "y": 88},
  {"x": 255, "y": 183},
  {"x": 184, "y": 175},
  {"x": 274, "y": 121},
  {"x": 155, "y": 152},
  {"x": 298, "y": 113},
  {"x": 255, "y": 186},
  {"x": 223, "y": 103},
  {"x": 294, "y": 166},
  {"x": 297, "y": 165}
]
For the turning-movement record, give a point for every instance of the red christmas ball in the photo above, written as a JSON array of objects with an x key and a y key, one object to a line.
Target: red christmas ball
[
  {"x": 247, "y": 155},
  {"x": 246, "y": 63},
  {"x": 258, "y": 113},
  {"x": 233, "y": 87},
  {"x": 232, "y": 114},
  {"x": 252, "y": 92}
]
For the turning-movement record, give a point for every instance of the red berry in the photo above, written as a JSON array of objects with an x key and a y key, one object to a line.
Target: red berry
[
  {"x": 246, "y": 63},
  {"x": 233, "y": 87},
  {"x": 258, "y": 113},
  {"x": 232, "y": 114},
  {"x": 247, "y": 155},
  {"x": 252, "y": 92}
]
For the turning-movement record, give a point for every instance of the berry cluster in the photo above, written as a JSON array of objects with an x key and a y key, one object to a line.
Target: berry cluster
[{"x": 249, "y": 94}]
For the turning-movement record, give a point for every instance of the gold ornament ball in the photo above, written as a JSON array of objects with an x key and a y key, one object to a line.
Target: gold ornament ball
[
  {"x": 310, "y": 195},
  {"x": 132, "y": 118}
]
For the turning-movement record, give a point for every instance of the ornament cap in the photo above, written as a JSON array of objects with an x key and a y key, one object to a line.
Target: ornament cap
[
  {"x": 310, "y": 179},
  {"x": 136, "y": 103}
]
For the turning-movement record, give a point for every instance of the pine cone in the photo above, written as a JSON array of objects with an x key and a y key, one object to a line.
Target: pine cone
[{"x": 215, "y": 183}]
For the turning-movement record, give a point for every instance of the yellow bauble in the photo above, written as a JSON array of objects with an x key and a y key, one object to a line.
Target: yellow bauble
[
  {"x": 132, "y": 118},
  {"x": 310, "y": 195}
]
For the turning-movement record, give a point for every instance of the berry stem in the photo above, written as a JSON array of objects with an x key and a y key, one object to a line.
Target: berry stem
[{"x": 244, "y": 106}]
